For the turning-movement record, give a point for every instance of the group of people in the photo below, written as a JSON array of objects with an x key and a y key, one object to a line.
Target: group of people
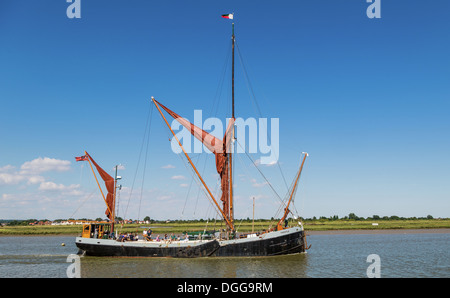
[
  {"x": 166, "y": 238},
  {"x": 128, "y": 237},
  {"x": 105, "y": 235},
  {"x": 147, "y": 235}
]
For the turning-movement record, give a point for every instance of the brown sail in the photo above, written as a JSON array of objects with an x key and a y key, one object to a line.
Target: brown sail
[
  {"x": 220, "y": 148},
  {"x": 109, "y": 182}
]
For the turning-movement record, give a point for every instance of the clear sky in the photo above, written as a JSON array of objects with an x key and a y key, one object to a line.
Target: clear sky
[{"x": 368, "y": 99}]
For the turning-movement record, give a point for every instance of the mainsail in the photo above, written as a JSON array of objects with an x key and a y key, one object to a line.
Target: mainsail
[
  {"x": 109, "y": 182},
  {"x": 220, "y": 148}
]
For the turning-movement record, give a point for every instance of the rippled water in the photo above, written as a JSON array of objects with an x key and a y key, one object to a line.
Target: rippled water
[
  {"x": 34, "y": 256},
  {"x": 401, "y": 255}
]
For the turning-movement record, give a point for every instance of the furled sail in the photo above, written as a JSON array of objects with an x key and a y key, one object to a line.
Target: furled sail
[
  {"x": 109, "y": 182},
  {"x": 220, "y": 148}
]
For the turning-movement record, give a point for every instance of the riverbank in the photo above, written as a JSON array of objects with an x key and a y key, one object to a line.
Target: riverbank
[
  {"x": 308, "y": 232},
  {"x": 379, "y": 231},
  {"x": 318, "y": 227}
]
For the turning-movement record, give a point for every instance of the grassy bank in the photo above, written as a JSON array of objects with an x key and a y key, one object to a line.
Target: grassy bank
[
  {"x": 382, "y": 224},
  {"x": 244, "y": 226}
]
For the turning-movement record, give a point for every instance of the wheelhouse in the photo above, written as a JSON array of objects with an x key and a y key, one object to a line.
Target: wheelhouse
[{"x": 99, "y": 230}]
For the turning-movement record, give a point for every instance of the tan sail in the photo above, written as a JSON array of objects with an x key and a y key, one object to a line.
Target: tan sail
[
  {"x": 222, "y": 152},
  {"x": 109, "y": 183}
]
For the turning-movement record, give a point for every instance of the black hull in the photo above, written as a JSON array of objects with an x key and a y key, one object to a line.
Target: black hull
[
  {"x": 281, "y": 244},
  {"x": 104, "y": 250}
]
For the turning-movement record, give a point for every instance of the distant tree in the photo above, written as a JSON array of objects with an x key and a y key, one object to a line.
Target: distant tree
[
  {"x": 429, "y": 217},
  {"x": 375, "y": 217},
  {"x": 353, "y": 216}
]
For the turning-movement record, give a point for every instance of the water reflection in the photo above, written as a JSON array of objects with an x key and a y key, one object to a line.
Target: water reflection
[{"x": 258, "y": 267}]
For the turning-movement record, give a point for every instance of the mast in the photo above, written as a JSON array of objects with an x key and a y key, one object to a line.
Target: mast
[
  {"x": 286, "y": 210},
  {"x": 232, "y": 69},
  {"x": 230, "y": 159},
  {"x": 114, "y": 200},
  {"x": 253, "y": 219}
]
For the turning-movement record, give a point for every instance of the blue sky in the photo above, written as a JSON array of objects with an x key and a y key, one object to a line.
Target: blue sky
[{"x": 368, "y": 99}]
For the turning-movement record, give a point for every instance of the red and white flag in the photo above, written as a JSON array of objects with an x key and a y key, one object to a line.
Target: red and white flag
[
  {"x": 227, "y": 16},
  {"x": 81, "y": 158}
]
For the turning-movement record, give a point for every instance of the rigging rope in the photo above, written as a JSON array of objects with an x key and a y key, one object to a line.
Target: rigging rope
[
  {"x": 145, "y": 164},
  {"x": 260, "y": 172},
  {"x": 193, "y": 174},
  {"x": 220, "y": 85},
  {"x": 82, "y": 203},
  {"x": 255, "y": 102},
  {"x": 286, "y": 197},
  {"x": 185, "y": 200},
  {"x": 147, "y": 126}
]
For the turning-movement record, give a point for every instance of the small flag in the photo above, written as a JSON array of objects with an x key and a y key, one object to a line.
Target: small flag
[
  {"x": 227, "y": 16},
  {"x": 81, "y": 158}
]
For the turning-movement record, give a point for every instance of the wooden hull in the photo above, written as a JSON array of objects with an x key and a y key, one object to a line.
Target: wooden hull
[{"x": 289, "y": 241}]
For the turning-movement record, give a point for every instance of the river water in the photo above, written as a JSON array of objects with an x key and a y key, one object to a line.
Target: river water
[{"x": 399, "y": 255}]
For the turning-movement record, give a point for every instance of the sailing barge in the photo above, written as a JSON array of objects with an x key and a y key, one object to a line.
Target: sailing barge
[{"x": 280, "y": 240}]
